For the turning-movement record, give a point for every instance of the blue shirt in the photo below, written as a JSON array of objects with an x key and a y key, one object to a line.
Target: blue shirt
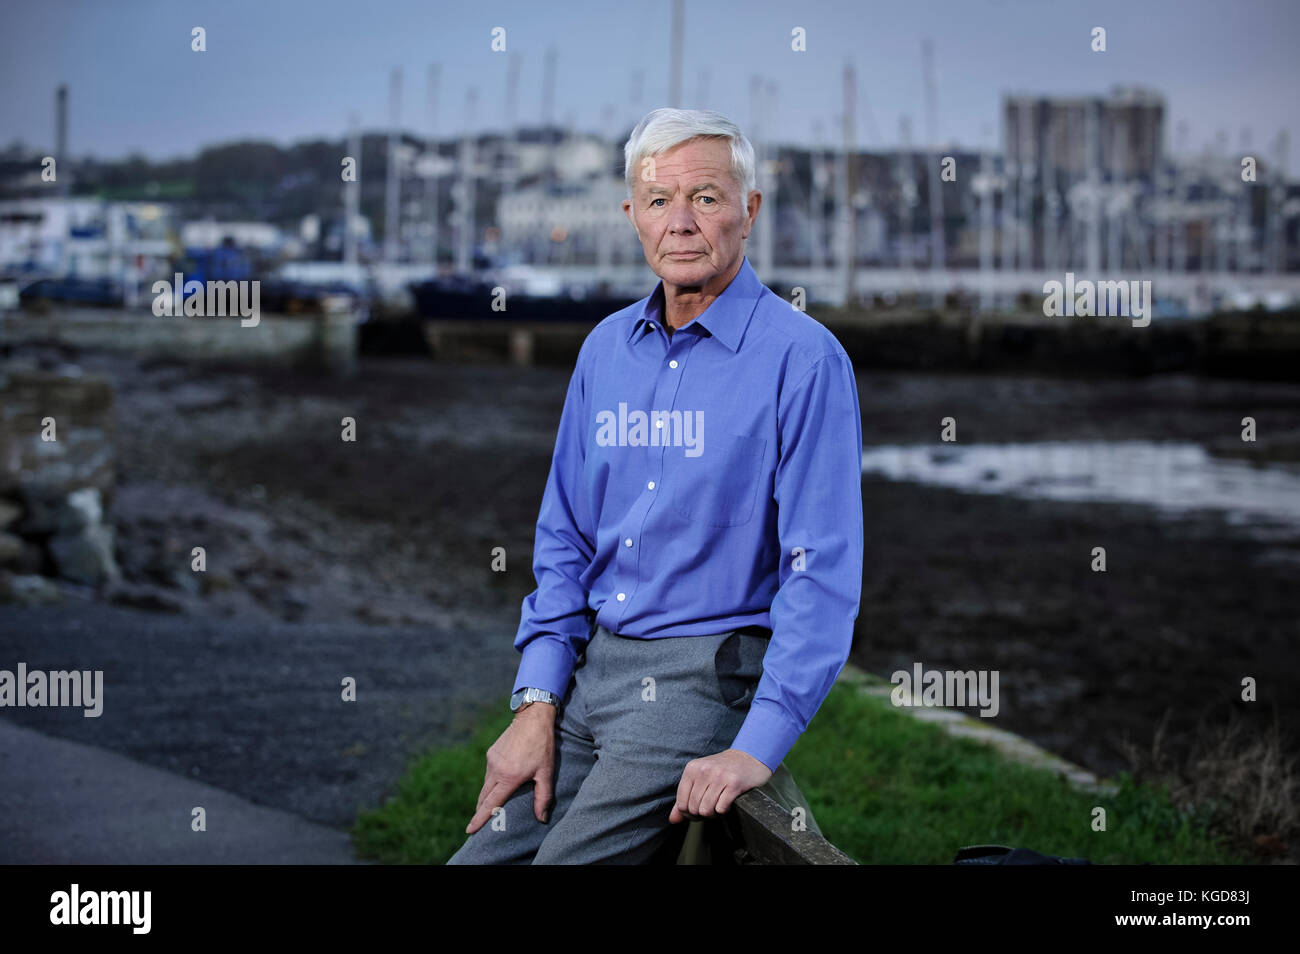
[{"x": 702, "y": 483}]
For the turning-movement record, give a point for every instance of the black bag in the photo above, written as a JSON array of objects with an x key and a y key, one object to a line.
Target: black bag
[{"x": 1002, "y": 855}]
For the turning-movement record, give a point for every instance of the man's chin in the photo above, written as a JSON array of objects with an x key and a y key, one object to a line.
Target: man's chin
[{"x": 691, "y": 271}]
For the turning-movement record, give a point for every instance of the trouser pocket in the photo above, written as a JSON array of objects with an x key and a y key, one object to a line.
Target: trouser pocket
[{"x": 738, "y": 666}]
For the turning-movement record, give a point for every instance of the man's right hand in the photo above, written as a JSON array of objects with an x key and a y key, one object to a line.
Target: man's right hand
[{"x": 525, "y": 751}]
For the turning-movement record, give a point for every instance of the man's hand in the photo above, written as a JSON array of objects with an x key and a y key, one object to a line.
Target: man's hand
[
  {"x": 711, "y": 784},
  {"x": 526, "y": 750}
]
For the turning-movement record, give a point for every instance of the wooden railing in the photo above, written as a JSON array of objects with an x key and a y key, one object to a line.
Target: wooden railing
[
  {"x": 766, "y": 837},
  {"x": 769, "y": 825}
]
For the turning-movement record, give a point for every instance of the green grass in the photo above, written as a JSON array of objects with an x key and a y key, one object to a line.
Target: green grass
[
  {"x": 424, "y": 821},
  {"x": 885, "y": 788}
]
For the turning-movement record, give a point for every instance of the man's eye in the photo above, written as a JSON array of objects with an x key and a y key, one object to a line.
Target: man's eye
[
  {"x": 653, "y": 201},
  {"x": 709, "y": 197}
]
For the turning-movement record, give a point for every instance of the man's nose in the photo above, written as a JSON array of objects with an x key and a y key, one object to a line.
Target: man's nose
[
  {"x": 681, "y": 217},
  {"x": 681, "y": 222}
]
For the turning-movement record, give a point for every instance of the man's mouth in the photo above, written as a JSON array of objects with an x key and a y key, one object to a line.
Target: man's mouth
[{"x": 684, "y": 254}]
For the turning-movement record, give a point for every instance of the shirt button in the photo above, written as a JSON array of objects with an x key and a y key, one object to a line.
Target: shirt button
[
  {"x": 622, "y": 597},
  {"x": 651, "y": 485},
  {"x": 628, "y": 541},
  {"x": 672, "y": 364},
  {"x": 659, "y": 422}
]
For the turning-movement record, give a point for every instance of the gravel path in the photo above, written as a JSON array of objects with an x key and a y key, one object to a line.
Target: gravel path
[{"x": 254, "y": 707}]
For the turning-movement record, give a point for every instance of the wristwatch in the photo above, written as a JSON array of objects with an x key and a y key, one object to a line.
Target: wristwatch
[{"x": 530, "y": 695}]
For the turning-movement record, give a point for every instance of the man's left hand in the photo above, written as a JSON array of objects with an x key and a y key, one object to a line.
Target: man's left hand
[{"x": 709, "y": 785}]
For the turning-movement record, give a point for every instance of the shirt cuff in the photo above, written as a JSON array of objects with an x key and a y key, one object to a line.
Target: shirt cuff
[
  {"x": 767, "y": 735},
  {"x": 547, "y": 663}
]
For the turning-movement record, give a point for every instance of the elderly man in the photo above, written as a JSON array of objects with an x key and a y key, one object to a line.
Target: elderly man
[{"x": 699, "y": 548}]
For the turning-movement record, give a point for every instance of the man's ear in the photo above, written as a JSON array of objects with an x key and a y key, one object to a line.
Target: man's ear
[{"x": 756, "y": 197}]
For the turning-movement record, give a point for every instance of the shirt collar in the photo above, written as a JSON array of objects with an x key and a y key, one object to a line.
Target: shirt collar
[{"x": 726, "y": 318}]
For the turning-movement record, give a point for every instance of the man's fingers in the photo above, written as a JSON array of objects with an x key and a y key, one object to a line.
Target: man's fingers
[
  {"x": 697, "y": 798},
  {"x": 683, "y": 798},
  {"x": 489, "y": 780},
  {"x": 709, "y": 799},
  {"x": 725, "y": 800},
  {"x": 696, "y": 803},
  {"x": 710, "y": 786},
  {"x": 494, "y": 798},
  {"x": 542, "y": 790}
]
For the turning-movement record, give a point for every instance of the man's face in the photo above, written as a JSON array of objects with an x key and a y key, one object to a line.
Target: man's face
[{"x": 690, "y": 216}]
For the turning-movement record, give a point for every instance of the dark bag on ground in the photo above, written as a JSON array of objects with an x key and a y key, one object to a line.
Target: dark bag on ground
[{"x": 1003, "y": 855}]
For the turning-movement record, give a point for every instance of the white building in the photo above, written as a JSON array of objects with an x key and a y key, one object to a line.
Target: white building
[
  {"x": 85, "y": 237},
  {"x": 570, "y": 224},
  {"x": 244, "y": 235},
  {"x": 577, "y": 157}
]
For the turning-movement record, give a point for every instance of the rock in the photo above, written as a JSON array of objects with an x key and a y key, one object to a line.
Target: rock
[
  {"x": 82, "y": 456},
  {"x": 377, "y": 615},
  {"x": 11, "y": 549},
  {"x": 41, "y": 513},
  {"x": 80, "y": 544},
  {"x": 28, "y": 590},
  {"x": 32, "y": 561},
  {"x": 80, "y": 509},
  {"x": 56, "y": 511},
  {"x": 186, "y": 580},
  {"x": 293, "y": 604},
  {"x": 144, "y": 596},
  {"x": 216, "y": 581},
  {"x": 85, "y": 555},
  {"x": 174, "y": 572}
]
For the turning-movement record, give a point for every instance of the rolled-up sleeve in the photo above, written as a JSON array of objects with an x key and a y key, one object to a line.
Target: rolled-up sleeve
[
  {"x": 818, "y": 492},
  {"x": 556, "y": 622}
]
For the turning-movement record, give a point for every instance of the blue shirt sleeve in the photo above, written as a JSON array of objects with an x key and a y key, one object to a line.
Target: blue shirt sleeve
[
  {"x": 818, "y": 492},
  {"x": 556, "y": 622}
]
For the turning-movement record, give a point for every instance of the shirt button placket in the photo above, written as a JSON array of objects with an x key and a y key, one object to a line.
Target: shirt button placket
[{"x": 666, "y": 386}]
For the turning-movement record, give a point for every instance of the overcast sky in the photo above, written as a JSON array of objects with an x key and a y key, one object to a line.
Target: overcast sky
[{"x": 291, "y": 69}]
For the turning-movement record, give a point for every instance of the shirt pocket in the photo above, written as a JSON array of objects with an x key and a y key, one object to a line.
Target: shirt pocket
[{"x": 719, "y": 487}]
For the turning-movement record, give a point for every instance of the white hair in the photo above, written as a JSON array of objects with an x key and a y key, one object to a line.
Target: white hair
[{"x": 662, "y": 129}]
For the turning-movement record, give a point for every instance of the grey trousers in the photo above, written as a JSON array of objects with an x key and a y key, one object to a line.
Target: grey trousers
[{"x": 635, "y": 712}]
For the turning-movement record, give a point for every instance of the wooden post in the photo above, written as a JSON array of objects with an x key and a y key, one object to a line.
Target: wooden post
[{"x": 521, "y": 346}]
